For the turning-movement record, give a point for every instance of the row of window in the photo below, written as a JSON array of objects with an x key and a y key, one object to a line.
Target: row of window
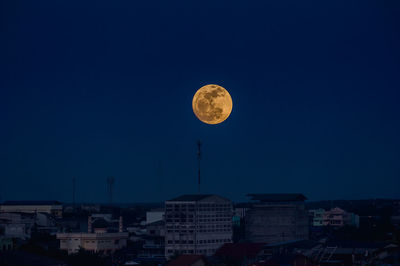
[
  {"x": 200, "y": 226},
  {"x": 201, "y": 230},
  {"x": 205, "y": 241},
  {"x": 184, "y": 220},
  {"x": 191, "y": 251}
]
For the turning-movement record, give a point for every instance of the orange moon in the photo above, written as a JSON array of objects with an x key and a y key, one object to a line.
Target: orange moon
[{"x": 212, "y": 104}]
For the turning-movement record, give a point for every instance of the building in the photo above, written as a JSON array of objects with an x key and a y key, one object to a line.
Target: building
[
  {"x": 98, "y": 238},
  {"x": 338, "y": 217},
  {"x": 155, "y": 215},
  {"x": 317, "y": 217},
  {"x": 17, "y": 225},
  {"x": 276, "y": 218},
  {"x": 197, "y": 224},
  {"x": 6, "y": 243},
  {"x": 51, "y": 207},
  {"x": 153, "y": 249}
]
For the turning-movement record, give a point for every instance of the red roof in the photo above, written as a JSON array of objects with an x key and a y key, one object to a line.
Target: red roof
[
  {"x": 239, "y": 250},
  {"x": 185, "y": 260}
]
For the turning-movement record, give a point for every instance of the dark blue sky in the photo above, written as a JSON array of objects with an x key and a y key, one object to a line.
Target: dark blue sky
[{"x": 98, "y": 88}]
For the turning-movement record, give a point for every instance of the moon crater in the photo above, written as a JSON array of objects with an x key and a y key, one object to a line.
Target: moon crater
[{"x": 212, "y": 104}]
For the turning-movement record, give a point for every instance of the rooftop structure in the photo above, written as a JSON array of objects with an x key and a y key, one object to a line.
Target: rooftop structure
[{"x": 279, "y": 197}]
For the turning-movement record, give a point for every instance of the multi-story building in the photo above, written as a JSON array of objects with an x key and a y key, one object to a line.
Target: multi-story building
[
  {"x": 197, "y": 224},
  {"x": 21, "y": 225},
  {"x": 153, "y": 249},
  {"x": 276, "y": 218},
  {"x": 97, "y": 240},
  {"x": 337, "y": 217},
  {"x": 51, "y": 207},
  {"x": 317, "y": 217}
]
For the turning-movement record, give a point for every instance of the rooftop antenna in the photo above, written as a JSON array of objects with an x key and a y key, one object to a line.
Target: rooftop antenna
[
  {"x": 110, "y": 187},
  {"x": 198, "y": 162}
]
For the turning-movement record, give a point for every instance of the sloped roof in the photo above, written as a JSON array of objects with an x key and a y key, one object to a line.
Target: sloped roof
[
  {"x": 185, "y": 260},
  {"x": 239, "y": 250},
  {"x": 278, "y": 197},
  {"x": 31, "y": 202},
  {"x": 156, "y": 223},
  {"x": 191, "y": 197}
]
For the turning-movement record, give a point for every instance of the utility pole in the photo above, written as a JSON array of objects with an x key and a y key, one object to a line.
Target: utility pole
[{"x": 198, "y": 162}]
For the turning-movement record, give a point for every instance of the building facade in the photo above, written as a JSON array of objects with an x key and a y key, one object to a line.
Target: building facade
[
  {"x": 275, "y": 218},
  {"x": 317, "y": 217},
  {"x": 98, "y": 239},
  {"x": 197, "y": 224},
  {"x": 97, "y": 242},
  {"x": 338, "y": 217}
]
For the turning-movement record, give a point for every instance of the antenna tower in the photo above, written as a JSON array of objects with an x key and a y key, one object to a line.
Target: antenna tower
[{"x": 198, "y": 162}]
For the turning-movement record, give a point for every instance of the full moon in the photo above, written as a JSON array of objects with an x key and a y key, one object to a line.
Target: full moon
[{"x": 212, "y": 104}]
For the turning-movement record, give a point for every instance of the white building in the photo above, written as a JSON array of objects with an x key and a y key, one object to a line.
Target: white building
[
  {"x": 155, "y": 215},
  {"x": 197, "y": 224},
  {"x": 98, "y": 240},
  {"x": 50, "y": 207}
]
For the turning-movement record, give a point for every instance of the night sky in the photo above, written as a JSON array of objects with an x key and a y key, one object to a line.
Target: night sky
[{"x": 93, "y": 89}]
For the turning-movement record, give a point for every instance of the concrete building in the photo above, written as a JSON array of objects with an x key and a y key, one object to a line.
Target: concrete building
[
  {"x": 51, "y": 207},
  {"x": 98, "y": 239},
  {"x": 155, "y": 215},
  {"x": 6, "y": 243},
  {"x": 17, "y": 225},
  {"x": 197, "y": 224},
  {"x": 276, "y": 218},
  {"x": 317, "y": 217},
  {"x": 338, "y": 217},
  {"x": 153, "y": 249}
]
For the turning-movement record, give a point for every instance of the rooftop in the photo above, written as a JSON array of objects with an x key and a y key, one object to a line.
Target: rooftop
[
  {"x": 31, "y": 202},
  {"x": 156, "y": 223},
  {"x": 191, "y": 197},
  {"x": 277, "y": 197}
]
